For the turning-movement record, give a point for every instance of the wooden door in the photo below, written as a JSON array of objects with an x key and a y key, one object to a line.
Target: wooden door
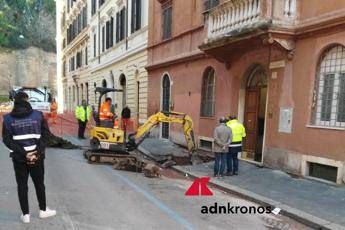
[{"x": 251, "y": 119}]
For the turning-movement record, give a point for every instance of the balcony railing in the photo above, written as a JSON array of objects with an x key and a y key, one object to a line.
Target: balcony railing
[{"x": 233, "y": 15}]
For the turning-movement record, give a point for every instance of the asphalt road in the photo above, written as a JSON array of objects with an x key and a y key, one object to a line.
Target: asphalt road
[{"x": 96, "y": 197}]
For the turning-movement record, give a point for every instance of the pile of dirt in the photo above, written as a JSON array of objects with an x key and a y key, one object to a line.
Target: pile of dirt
[{"x": 58, "y": 142}]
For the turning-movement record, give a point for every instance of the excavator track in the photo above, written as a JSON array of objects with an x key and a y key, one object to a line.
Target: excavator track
[
  {"x": 94, "y": 157},
  {"x": 120, "y": 161}
]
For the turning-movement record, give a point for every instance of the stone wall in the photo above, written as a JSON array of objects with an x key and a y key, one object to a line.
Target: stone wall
[{"x": 31, "y": 67}]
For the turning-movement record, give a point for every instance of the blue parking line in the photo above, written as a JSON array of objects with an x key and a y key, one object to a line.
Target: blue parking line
[{"x": 171, "y": 213}]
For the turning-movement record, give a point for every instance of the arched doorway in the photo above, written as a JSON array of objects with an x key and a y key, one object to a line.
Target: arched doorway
[
  {"x": 165, "y": 103},
  {"x": 123, "y": 84},
  {"x": 255, "y": 113}
]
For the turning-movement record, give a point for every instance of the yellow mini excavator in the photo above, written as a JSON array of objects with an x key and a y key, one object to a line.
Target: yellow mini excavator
[{"x": 113, "y": 142}]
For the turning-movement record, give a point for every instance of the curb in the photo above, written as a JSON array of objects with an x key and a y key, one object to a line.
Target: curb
[{"x": 298, "y": 215}]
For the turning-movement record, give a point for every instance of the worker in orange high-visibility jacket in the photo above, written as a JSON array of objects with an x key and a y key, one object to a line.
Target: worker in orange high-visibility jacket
[
  {"x": 53, "y": 111},
  {"x": 116, "y": 124},
  {"x": 105, "y": 115}
]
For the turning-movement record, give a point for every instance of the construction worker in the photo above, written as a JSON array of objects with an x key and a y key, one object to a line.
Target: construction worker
[
  {"x": 53, "y": 111},
  {"x": 105, "y": 115},
  {"x": 125, "y": 117},
  {"x": 24, "y": 133},
  {"x": 222, "y": 139},
  {"x": 238, "y": 133},
  {"x": 83, "y": 114}
]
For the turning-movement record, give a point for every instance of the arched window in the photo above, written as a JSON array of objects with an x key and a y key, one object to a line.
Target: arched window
[
  {"x": 207, "y": 93},
  {"x": 104, "y": 83},
  {"x": 73, "y": 93},
  {"x": 330, "y": 88},
  {"x": 82, "y": 91}
]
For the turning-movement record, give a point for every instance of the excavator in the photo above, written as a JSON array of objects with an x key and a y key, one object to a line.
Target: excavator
[{"x": 116, "y": 144}]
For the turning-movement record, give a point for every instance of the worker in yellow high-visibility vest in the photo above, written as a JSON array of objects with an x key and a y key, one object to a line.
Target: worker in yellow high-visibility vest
[
  {"x": 238, "y": 133},
  {"x": 83, "y": 115}
]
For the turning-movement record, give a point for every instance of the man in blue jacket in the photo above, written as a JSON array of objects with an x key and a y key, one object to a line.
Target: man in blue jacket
[{"x": 24, "y": 133}]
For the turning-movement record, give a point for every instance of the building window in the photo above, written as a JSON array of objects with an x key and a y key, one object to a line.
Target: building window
[
  {"x": 136, "y": 16},
  {"x": 86, "y": 57},
  {"x": 330, "y": 89},
  {"x": 80, "y": 23},
  {"x": 290, "y": 7},
  {"x": 72, "y": 64},
  {"x": 207, "y": 93},
  {"x": 79, "y": 59},
  {"x": 209, "y": 4},
  {"x": 167, "y": 22},
  {"x": 76, "y": 27},
  {"x": 120, "y": 25},
  {"x": 64, "y": 69},
  {"x": 104, "y": 83},
  {"x": 103, "y": 38},
  {"x": 69, "y": 97},
  {"x": 94, "y": 45},
  {"x": 110, "y": 33},
  {"x": 84, "y": 17},
  {"x": 73, "y": 93},
  {"x": 93, "y": 7}
]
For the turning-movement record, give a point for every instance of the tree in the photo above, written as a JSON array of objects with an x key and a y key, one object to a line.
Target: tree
[{"x": 25, "y": 23}]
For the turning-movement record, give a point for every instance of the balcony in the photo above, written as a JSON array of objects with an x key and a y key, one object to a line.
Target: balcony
[
  {"x": 239, "y": 25},
  {"x": 234, "y": 17}
]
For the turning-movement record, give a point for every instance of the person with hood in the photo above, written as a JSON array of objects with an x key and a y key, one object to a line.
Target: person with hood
[
  {"x": 24, "y": 133},
  {"x": 125, "y": 117}
]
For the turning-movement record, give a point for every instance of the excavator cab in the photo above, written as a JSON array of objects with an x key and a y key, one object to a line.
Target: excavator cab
[{"x": 103, "y": 138}]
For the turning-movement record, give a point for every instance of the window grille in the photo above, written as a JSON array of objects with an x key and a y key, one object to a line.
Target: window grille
[
  {"x": 208, "y": 90},
  {"x": 330, "y": 104}
]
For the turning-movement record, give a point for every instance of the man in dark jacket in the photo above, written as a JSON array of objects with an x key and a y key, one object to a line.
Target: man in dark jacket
[
  {"x": 125, "y": 117},
  {"x": 24, "y": 133}
]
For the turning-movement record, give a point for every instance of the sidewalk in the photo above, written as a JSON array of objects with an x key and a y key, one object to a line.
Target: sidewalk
[{"x": 313, "y": 203}]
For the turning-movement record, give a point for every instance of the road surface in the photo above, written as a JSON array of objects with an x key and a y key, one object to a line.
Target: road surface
[{"x": 96, "y": 197}]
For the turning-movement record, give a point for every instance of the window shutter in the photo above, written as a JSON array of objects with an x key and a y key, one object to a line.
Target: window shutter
[
  {"x": 133, "y": 16},
  {"x": 85, "y": 17},
  {"x": 94, "y": 45},
  {"x": 107, "y": 34},
  {"x": 103, "y": 38},
  {"x": 86, "y": 57},
  {"x": 117, "y": 27},
  {"x": 111, "y": 35},
  {"x": 123, "y": 21},
  {"x": 138, "y": 15}
]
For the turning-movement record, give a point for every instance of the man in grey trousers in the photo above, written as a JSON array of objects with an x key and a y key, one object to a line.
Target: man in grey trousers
[{"x": 222, "y": 139}]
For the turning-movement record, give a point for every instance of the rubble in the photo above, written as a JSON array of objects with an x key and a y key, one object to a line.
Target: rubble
[{"x": 152, "y": 170}]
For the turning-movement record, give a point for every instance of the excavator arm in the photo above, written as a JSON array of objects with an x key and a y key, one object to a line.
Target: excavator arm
[{"x": 166, "y": 117}]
